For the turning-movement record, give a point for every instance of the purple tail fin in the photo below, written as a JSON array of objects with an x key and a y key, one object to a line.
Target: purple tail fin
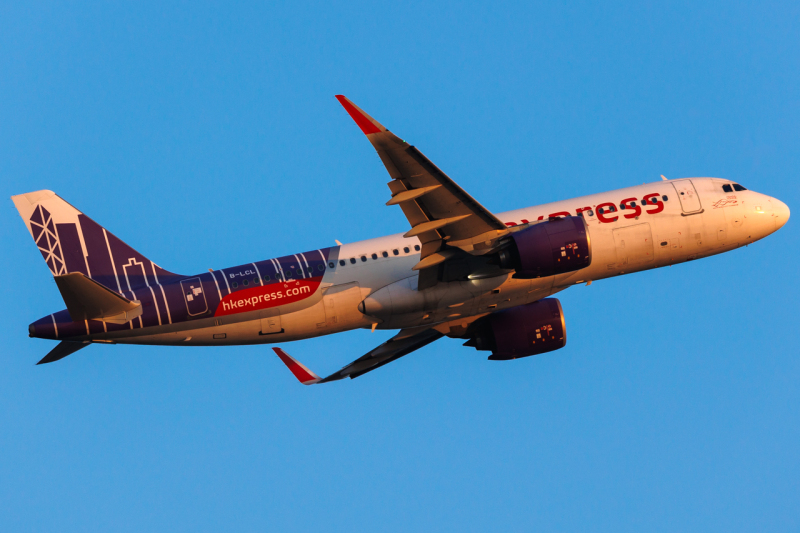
[{"x": 69, "y": 241}]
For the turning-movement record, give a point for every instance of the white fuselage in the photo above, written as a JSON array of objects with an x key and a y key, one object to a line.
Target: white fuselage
[{"x": 696, "y": 220}]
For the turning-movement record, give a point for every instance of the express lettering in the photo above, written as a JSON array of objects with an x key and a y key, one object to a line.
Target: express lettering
[
  {"x": 608, "y": 212},
  {"x": 260, "y": 301},
  {"x": 631, "y": 203}
]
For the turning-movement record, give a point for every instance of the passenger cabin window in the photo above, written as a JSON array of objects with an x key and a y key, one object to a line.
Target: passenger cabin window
[
  {"x": 322, "y": 267},
  {"x": 385, "y": 254},
  {"x": 727, "y": 188},
  {"x": 266, "y": 277},
  {"x": 342, "y": 262},
  {"x": 664, "y": 198},
  {"x": 737, "y": 187},
  {"x": 406, "y": 250},
  {"x": 234, "y": 284},
  {"x": 374, "y": 256},
  {"x": 416, "y": 247},
  {"x": 352, "y": 260},
  {"x": 363, "y": 258},
  {"x": 396, "y": 251}
]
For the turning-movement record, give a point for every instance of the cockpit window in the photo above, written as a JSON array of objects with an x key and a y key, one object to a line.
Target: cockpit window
[
  {"x": 727, "y": 188},
  {"x": 737, "y": 187}
]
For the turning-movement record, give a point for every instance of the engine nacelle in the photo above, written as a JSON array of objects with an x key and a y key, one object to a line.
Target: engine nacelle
[
  {"x": 554, "y": 247},
  {"x": 521, "y": 331}
]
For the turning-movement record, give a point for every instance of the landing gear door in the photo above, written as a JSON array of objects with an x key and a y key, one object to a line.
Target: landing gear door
[
  {"x": 687, "y": 195},
  {"x": 271, "y": 325},
  {"x": 194, "y": 296}
]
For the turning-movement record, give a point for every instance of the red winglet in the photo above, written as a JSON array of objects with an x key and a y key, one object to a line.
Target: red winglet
[
  {"x": 367, "y": 124},
  {"x": 303, "y": 374}
]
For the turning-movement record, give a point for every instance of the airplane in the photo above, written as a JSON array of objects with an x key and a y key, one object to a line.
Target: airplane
[{"x": 460, "y": 271}]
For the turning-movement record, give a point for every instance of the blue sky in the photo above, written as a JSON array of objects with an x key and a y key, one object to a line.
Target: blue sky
[{"x": 207, "y": 135}]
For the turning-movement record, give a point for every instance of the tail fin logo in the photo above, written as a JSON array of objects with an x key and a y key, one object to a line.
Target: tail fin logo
[
  {"x": 44, "y": 233},
  {"x": 70, "y": 241}
]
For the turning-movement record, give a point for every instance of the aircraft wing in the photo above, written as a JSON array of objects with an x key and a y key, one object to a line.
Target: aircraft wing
[
  {"x": 442, "y": 215},
  {"x": 393, "y": 349}
]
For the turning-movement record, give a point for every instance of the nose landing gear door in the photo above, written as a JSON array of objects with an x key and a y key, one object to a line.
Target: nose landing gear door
[
  {"x": 690, "y": 200},
  {"x": 194, "y": 296}
]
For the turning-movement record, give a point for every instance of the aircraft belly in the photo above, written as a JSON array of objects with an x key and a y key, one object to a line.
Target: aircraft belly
[{"x": 227, "y": 334}]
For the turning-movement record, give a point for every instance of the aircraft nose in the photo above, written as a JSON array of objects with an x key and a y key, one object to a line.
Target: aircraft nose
[{"x": 781, "y": 213}]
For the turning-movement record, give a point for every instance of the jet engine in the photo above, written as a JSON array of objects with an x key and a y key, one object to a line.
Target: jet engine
[
  {"x": 554, "y": 247},
  {"x": 521, "y": 331}
]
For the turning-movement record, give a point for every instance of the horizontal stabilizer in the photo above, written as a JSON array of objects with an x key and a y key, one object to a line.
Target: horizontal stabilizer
[
  {"x": 87, "y": 299},
  {"x": 391, "y": 350},
  {"x": 63, "y": 349}
]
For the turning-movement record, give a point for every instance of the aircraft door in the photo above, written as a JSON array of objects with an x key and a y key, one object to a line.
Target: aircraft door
[
  {"x": 688, "y": 197},
  {"x": 194, "y": 296}
]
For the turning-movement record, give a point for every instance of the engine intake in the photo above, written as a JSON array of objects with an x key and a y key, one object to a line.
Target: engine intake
[
  {"x": 554, "y": 247},
  {"x": 521, "y": 331}
]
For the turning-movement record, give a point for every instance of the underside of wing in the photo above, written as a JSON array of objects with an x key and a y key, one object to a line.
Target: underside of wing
[{"x": 391, "y": 350}]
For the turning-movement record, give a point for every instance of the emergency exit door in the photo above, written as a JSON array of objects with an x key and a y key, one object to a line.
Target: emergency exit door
[{"x": 688, "y": 197}]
